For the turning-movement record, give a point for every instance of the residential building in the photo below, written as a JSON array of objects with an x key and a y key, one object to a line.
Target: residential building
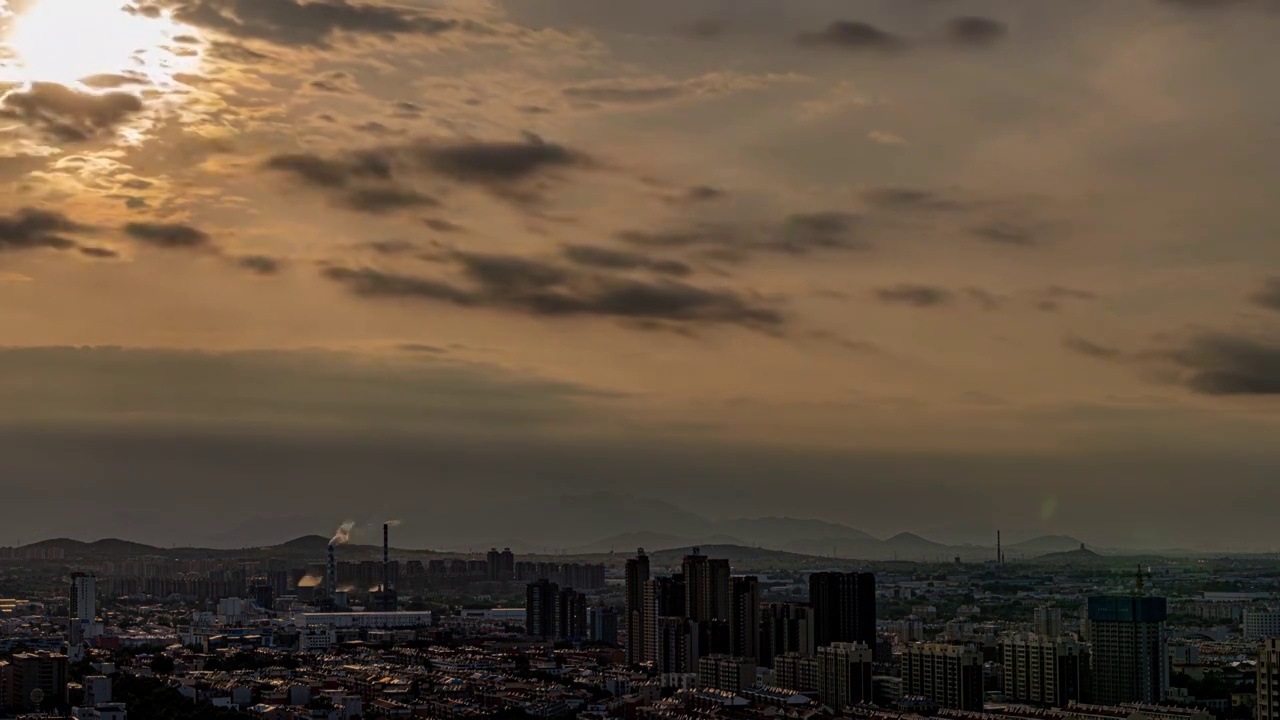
[
  {"x": 844, "y": 674},
  {"x": 706, "y": 587},
  {"x": 785, "y": 628},
  {"x": 843, "y": 607},
  {"x": 33, "y": 681},
  {"x": 727, "y": 673},
  {"x": 1045, "y": 670},
  {"x": 949, "y": 675},
  {"x": 1130, "y": 659},
  {"x": 637, "y": 572},
  {"x": 1048, "y": 621},
  {"x": 662, "y": 597},
  {"x": 1269, "y": 680},
  {"x": 540, "y": 609},
  {"x": 570, "y": 615},
  {"x": 1259, "y": 624},
  {"x": 602, "y": 625},
  {"x": 744, "y": 618}
]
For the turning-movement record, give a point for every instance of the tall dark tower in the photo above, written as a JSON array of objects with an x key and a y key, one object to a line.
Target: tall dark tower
[
  {"x": 637, "y": 577},
  {"x": 844, "y": 607},
  {"x": 744, "y": 617},
  {"x": 385, "y": 599},
  {"x": 706, "y": 587}
]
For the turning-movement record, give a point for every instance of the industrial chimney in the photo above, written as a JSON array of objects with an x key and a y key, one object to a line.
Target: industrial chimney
[{"x": 331, "y": 573}]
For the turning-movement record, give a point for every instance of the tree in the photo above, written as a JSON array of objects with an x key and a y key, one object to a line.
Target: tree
[{"x": 161, "y": 664}]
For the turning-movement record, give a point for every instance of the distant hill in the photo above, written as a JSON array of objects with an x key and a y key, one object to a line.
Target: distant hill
[
  {"x": 651, "y": 541},
  {"x": 1078, "y": 556},
  {"x": 1043, "y": 546},
  {"x": 743, "y": 559}
]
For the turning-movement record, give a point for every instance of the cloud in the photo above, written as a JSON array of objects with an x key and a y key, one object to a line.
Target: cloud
[
  {"x": 259, "y": 264},
  {"x": 32, "y": 228},
  {"x": 921, "y": 296},
  {"x": 384, "y": 200},
  {"x": 1221, "y": 364},
  {"x": 906, "y": 199},
  {"x": 1004, "y": 233},
  {"x": 98, "y": 253},
  {"x": 801, "y": 233},
  {"x": 543, "y": 288},
  {"x": 853, "y": 35},
  {"x": 1091, "y": 349},
  {"x": 1268, "y": 296},
  {"x": 69, "y": 115},
  {"x": 610, "y": 259},
  {"x": 304, "y": 22},
  {"x": 328, "y": 173},
  {"x": 795, "y": 234},
  {"x": 488, "y": 163},
  {"x": 168, "y": 235},
  {"x": 1051, "y": 298},
  {"x": 976, "y": 31}
]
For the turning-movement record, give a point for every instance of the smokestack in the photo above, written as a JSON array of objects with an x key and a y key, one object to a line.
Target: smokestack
[
  {"x": 999, "y": 551},
  {"x": 331, "y": 573},
  {"x": 386, "y": 556}
]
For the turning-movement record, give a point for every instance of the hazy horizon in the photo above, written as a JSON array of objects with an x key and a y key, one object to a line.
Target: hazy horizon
[{"x": 903, "y": 265}]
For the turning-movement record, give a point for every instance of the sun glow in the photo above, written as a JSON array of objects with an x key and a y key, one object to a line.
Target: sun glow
[{"x": 68, "y": 41}]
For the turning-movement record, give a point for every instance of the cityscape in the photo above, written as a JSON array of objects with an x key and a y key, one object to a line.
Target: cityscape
[{"x": 326, "y": 629}]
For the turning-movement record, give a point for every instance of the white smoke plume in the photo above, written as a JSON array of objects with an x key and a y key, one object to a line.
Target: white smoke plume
[
  {"x": 343, "y": 533},
  {"x": 392, "y": 523}
]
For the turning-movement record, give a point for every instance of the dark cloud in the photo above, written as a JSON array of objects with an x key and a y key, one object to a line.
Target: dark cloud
[
  {"x": 389, "y": 199},
  {"x": 621, "y": 92},
  {"x": 32, "y": 228},
  {"x": 443, "y": 226},
  {"x": 853, "y": 35},
  {"x": 541, "y": 288},
  {"x": 1219, "y": 364},
  {"x": 391, "y": 247},
  {"x": 976, "y": 31},
  {"x": 922, "y": 296},
  {"x": 495, "y": 162},
  {"x": 610, "y": 259},
  {"x": 804, "y": 232},
  {"x": 69, "y": 115},
  {"x": 902, "y": 198},
  {"x": 328, "y": 173},
  {"x": 1051, "y": 298},
  {"x": 98, "y": 253},
  {"x": 704, "y": 193},
  {"x": 1003, "y": 233},
  {"x": 1091, "y": 349},
  {"x": 303, "y": 22},
  {"x": 1268, "y": 296},
  {"x": 336, "y": 81},
  {"x": 168, "y": 235},
  {"x": 259, "y": 264}
]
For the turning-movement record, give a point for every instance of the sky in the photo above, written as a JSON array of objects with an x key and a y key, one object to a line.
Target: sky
[{"x": 943, "y": 266}]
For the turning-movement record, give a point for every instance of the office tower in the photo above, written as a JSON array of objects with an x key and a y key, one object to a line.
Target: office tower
[
  {"x": 570, "y": 615},
  {"x": 844, "y": 607},
  {"x": 744, "y": 618},
  {"x": 1130, "y": 660},
  {"x": 540, "y": 609},
  {"x": 707, "y": 587},
  {"x": 1269, "y": 680},
  {"x": 727, "y": 673},
  {"x": 1259, "y": 624},
  {"x": 1044, "y": 670},
  {"x": 784, "y": 628},
  {"x": 949, "y": 675},
  {"x": 1048, "y": 621},
  {"x": 844, "y": 674},
  {"x": 602, "y": 625},
  {"x": 634, "y": 610},
  {"x": 507, "y": 563},
  {"x": 33, "y": 681}
]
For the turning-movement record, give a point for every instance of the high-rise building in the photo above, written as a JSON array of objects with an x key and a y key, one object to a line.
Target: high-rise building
[
  {"x": 674, "y": 645},
  {"x": 634, "y": 610},
  {"x": 844, "y": 607},
  {"x": 570, "y": 615},
  {"x": 744, "y": 618},
  {"x": 602, "y": 625},
  {"x": 785, "y": 628},
  {"x": 844, "y": 674},
  {"x": 1044, "y": 670},
  {"x": 540, "y": 609},
  {"x": 501, "y": 566},
  {"x": 707, "y": 587},
  {"x": 1048, "y": 621},
  {"x": 1259, "y": 624},
  {"x": 1269, "y": 680},
  {"x": 84, "y": 597},
  {"x": 949, "y": 675},
  {"x": 663, "y": 597},
  {"x": 33, "y": 681},
  {"x": 1130, "y": 659},
  {"x": 794, "y": 671}
]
